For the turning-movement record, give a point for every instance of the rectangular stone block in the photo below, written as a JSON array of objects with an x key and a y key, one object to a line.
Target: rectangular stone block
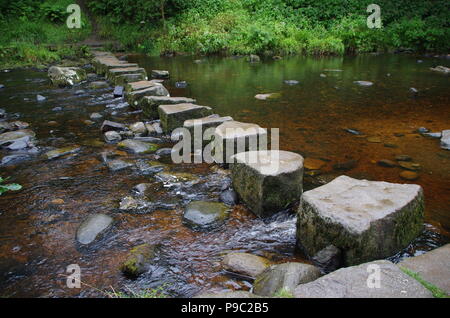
[
  {"x": 268, "y": 181},
  {"x": 150, "y": 104},
  {"x": 174, "y": 116},
  {"x": 135, "y": 98},
  {"x": 366, "y": 220},
  {"x": 114, "y": 72}
]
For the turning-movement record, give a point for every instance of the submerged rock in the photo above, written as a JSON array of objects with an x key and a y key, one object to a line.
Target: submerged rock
[
  {"x": 229, "y": 197},
  {"x": 285, "y": 276},
  {"x": 95, "y": 116},
  {"x": 66, "y": 76},
  {"x": 352, "y": 282},
  {"x": 53, "y": 154},
  {"x": 291, "y": 82},
  {"x": 138, "y": 260},
  {"x": 409, "y": 175},
  {"x": 98, "y": 85},
  {"x": 363, "y": 83},
  {"x": 93, "y": 227},
  {"x": 201, "y": 215},
  {"x": 268, "y": 181},
  {"x": 367, "y": 220},
  {"x": 432, "y": 266},
  {"x": 245, "y": 264},
  {"x": 182, "y": 84},
  {"x": 137, "y": 146},
  {"x": 118, "y": 164}
]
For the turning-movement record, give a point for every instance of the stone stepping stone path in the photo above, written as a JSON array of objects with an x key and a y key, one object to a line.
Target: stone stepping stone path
[
  {"x": 367, "y": 220},
  {"x": 149, "y": 104}
]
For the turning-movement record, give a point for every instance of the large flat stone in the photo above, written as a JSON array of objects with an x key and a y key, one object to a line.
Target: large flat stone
[
  {"x": 434, "y": 267},
  {"x": 367, "y": 220},
  {"x": 352, "y": 282},
  {"x": 123, "y": 79},
  {"x": 136, "y": 86},
  {"x": 104, "y": 63},
  {"x": 267, "y": 181},
  {"x": 239, "y": 137},
  {"x": 149, "y": 104},
  {"x": 135, "y": 98},
  {"x": 174, "y": 116},
  {"x": 245, "y": 264}
]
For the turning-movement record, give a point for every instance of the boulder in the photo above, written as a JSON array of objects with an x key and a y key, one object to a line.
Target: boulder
[
  {"x": 12, "y": 136},
  {"x": 239, "y": 137},
  {"x": 357, "y": 282},
  {"x": 138, "y": 260},
  {"x": 268, "y": 181},
  {"x": 267, "y": 96},
  {"x": 433, "y": 267},
  {"x": 160, "y": 74},
  {"x": 66, "y": 76},
  {"x": 174, "y": 116},
  {"x": 134, "y": 98},
  {"x": 53, "y": 154},
  {"x": 137, "y": 146},
  {"x": 93, "y": 227},
  {"x": 201, "y": 215},
  {"x": 445, "y": 139},
  {"x": 245, "y": 264},
  {"x": 366, "y": 220},
  {"x": 285, "y": 276},
  {"x": 149, "y": 104}
]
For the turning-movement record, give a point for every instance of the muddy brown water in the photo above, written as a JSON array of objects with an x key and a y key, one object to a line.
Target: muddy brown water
[{"x": 37, "y": 233}]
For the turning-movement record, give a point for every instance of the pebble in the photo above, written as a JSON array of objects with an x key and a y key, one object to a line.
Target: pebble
[
  {"x": 409, "y": 165},
  {"x": 96, "y": 116},
  {"x": 387, "y": 163},
  {"x": 403, "y": 158},
  {"x": 374, "y": 139},
  {"x": 409, "y": 175}
]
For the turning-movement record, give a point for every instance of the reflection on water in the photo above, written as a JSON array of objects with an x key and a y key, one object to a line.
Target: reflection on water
[{"x": 37, "y": 232}]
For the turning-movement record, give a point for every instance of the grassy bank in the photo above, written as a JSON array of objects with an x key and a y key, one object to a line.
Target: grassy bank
[
  {"x": 273, "y": 27},
  {"x": 35, "y": 33}
]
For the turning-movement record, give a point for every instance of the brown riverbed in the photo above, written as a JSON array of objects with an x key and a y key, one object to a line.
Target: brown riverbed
[{"x": 37, "y": 234}]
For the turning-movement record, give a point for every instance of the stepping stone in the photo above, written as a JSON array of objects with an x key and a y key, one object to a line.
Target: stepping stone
[
  {"x": 93, "y": 227},
  {"x": 134, "y": 98},
  {"x": 367, "y": 220},
  {"x": 114, "y": 72},
  {"x": 122, "y": 80},
  {"x": 250, "y": 136},
  {"x": 355, "y": 282},
  {"x": 245, "y": 264},
  {"x": 445, "y": 139},
  {"x": 174, "y": 116},
  {"x": 149, "y": 104},
  {"x": 285, "y": 276},
  {"x": 200, "y": 125},
  {"x": 104, "y": 63},
  {"x": 267, "y": 181},
  {"x": 433, "y": 267},
  {"x": 136, "y": 86},
  {"x": 201, "y": 215},
  {"x": 160, "y": 74}
]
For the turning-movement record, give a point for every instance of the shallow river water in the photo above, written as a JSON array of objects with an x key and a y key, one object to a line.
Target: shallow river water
[{"x": 38, "y": 223}]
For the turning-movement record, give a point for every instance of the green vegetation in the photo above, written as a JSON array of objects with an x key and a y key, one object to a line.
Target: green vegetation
[
  {"x": 35, "y": 33},
  {"x": 436, "y": 291},
  {"x": 273, "y": 27},
  {"x": 283, "y": 293},
  {"x": 8, "y": 187}
]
